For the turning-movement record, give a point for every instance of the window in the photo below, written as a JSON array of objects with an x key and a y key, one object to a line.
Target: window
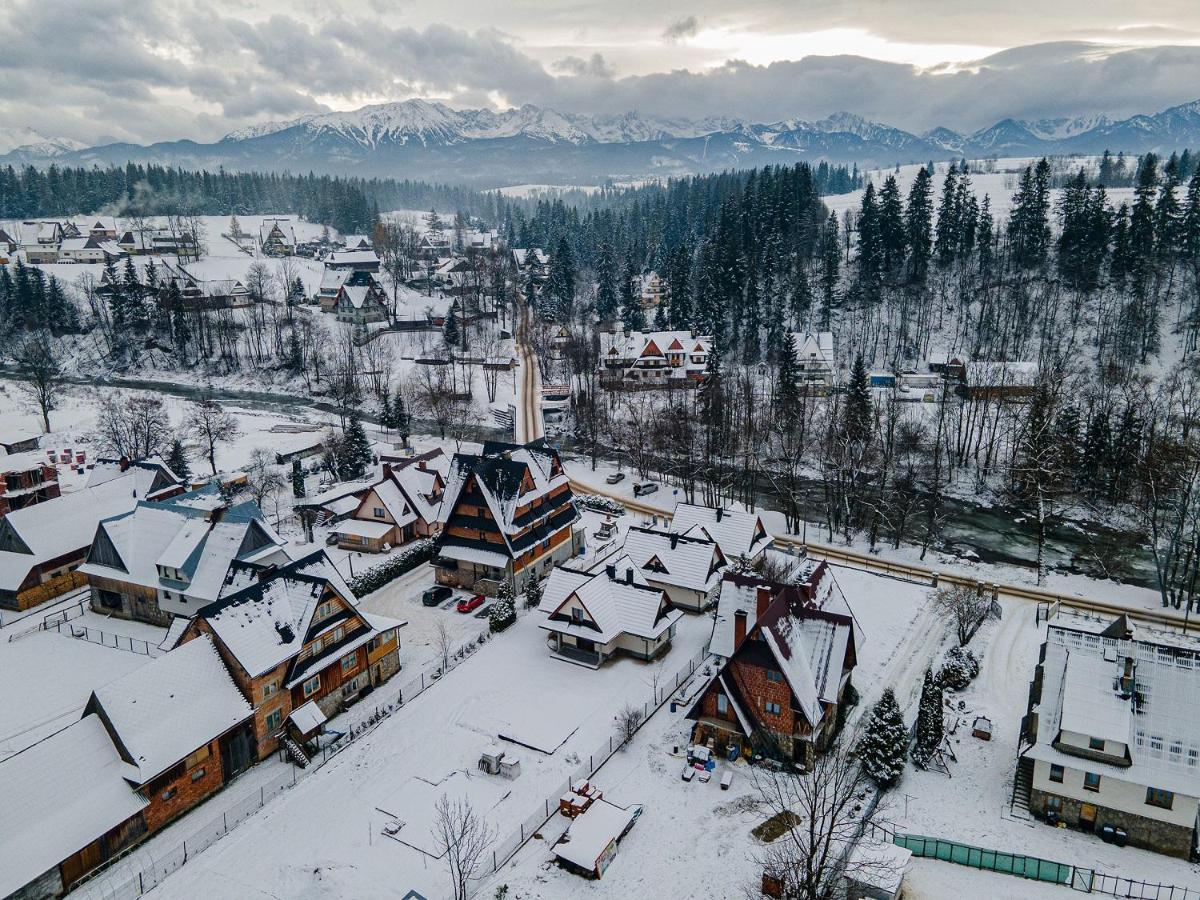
[
  {"x": 198, "y": 774},
  {"x": 1091, "y": 781},
  {"x": 576, "y": 615},
  {"x": 722, "y": 704},
  {"x": 773, "y": 708},
  {"x": 379, "y": 512},
  {"x": 1056, "y": 773},
  {"x": 312, "y": 685},
  {"x": 269, "y": 689},
  {"x": 323, "y": 610},
  {"x": 198, "y": 757},
  {"x": 169, "y": 793},
  {"x": 274, "y": 720},
  {"x": 338, "y": 634},
  {"x": 1160, "y": 798},
  {"x": 1095, "y": 743},
  {"x": 315, "y": 647},
  {"x": 349, "y": 661},
  {"x": 1054, "y": 804},
  {"x": 772, "y": 675}
]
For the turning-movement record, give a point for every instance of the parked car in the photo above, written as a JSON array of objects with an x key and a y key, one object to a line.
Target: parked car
[
  {"x": 615, "y": 478},
  {"x": 645, "y": 487},
  {"x": 435, "y": 595},
  {"x": 466, "y": 604}
]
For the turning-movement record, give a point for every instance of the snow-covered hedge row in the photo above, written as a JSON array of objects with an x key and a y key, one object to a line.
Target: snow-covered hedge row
[
  {"x": 419, "y": 551},
  {"x": 502, "y": 614},
  {"x": 601, "y": 504}
]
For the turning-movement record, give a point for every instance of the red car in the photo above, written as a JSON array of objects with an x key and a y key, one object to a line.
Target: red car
[{"x": 466, "y": 605}]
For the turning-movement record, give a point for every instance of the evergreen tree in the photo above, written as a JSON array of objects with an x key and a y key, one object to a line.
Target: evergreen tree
[
  {"x": 533, "y": 593},
  {"x": 945, "y": 244},
  {"x": 560, "y": 286},
  {"x": 891, "y": 227},
  {"x": 298, "y": 489},
  {"x": 400, "y": 417},
  {"x": 918, "y": 224},
  {"x": 930, "y": 726},
  {"x": 450, "y": 330},
  {"x": 606, "y": 289},
  {"x": 177, "y": 460},
  {"x": 858, "y": 410},
  {"x": 633, "y": 316},
  {"x": 870, "y": 247},
  {"x": 830, "y": 262},
  {"x": 986, "y": 236},
  {"x": 356, "y": 456},
  {"x": 787, "y": 391},
  {"x": 883, "y": 746}
]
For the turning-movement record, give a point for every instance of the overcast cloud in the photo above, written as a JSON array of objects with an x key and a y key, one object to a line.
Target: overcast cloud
[{"x": 142, "y": 71}]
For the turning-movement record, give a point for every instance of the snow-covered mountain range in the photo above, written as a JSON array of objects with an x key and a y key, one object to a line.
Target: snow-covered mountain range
[{"x": 425, "y": 139}]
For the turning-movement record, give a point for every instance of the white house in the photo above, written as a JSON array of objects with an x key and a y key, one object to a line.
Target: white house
[
  {"x": 814, "y": 352},
  {"x": 654, "y": 359},
  {"x": 688, "y": 569},
  {"x": 277, "y": 237},
  {"x": 1112, "y": 740},
  {"x": 739, "y": 534},
  {"x": 591, "y": 616}
]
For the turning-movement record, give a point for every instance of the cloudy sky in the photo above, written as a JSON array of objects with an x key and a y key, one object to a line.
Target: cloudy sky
[{"x": 145, "y": 70}]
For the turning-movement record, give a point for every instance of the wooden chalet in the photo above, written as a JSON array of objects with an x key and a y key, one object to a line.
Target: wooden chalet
[
  {"x": 277, "y": 237},
  {"x": 293, "y": 634},
  {"x": 360, "y": 303},
  {"x": 25, "y": 479},
  {"x": 788, "y": 662},
  {"x": 508, "y": 513},
  {"x": 401, "y": 506}
]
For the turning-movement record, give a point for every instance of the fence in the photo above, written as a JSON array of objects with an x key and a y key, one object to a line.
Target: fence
[
  {"x": 1099, "y": 883},
  {"x": 104, "y": 638},
  {"x": 996, "y": 860},
  {"x": 109, "y": 883},
  {"x": 588, "y": 766}
]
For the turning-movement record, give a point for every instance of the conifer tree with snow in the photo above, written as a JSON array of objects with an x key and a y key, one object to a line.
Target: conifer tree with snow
[
  {"x": 882, "y": 747},
  {"x": 606, "y": 283},
  {"x": 930, "y": 728},
  {"x": 858, "y": 410},
  {"x": 450, "y": 330},
  {"x": 177, "y": 460},
  {"x": 633, "y": 316},
  {"x": 356, "y": 456},
  {"x": 400, "y": 417},
  {"x": 533, "y": 593}
]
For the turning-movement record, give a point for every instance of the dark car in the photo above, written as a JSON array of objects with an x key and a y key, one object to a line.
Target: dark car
[
  {"x": 646, "y": 487},
  {"x": 436, "y": 594},
  {"x": 466, "y": 604}
]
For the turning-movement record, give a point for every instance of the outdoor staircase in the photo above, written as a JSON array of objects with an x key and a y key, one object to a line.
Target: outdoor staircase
[
  {"x": 1022, "y": 784},
  {"x": 296, "y": 752}
]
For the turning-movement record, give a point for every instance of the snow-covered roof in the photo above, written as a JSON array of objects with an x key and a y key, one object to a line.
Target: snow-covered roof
[
  {"x": 737, "y": 532},
  {"x": 170, "y": 708},
  {"x": 353, "y": 258},
  {"x": 287, "y": 233},
  {"x": 592, "y": 831},
  {"x": 155, "y": 540},
  {"x": 307, "y": 717},
  {"x": 332, "y": 279},
  {"x": 64, "y": 525},
  {"x": 618, "y": 600},
  {"x": 671, "y": 558},
  {"x": 1162, "y": 733},
  {"x": 59, "y": 795},
  {"x": 363, "y": 528},
  {"x": 737, "y": 595}
]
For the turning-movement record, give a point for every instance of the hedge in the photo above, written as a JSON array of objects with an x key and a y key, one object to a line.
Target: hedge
[
  {"x": 601, "y": 504},
  {"x": 419, "y": 551}
]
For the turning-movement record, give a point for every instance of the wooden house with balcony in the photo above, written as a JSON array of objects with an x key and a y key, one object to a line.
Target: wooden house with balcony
[
  {"x": 786, "y": 673},
  {"x": 292, "y": 634},
  {"x": 508, "y": 514},
  {"x": 637, "y": 360},
  {"x": 403, "y": 505}
]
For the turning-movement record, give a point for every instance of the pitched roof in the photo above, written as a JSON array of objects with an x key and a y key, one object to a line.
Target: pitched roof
[
  {"x": 738, "y": 532},
  {"x": 171, "y": 707},
  {"x": 618, "y": 601},
  {"x": 60, "y": 794},
  {"x": 671, "y": 558},
  {"x": 64, "y": 525}
]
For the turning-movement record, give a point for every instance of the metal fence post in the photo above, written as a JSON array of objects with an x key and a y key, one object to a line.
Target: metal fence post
[
  {"x": 262, "y": 796},
  {"x": 225, "y": 823}
]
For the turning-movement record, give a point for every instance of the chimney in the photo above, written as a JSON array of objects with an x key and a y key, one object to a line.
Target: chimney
[
  {"x": 387, "y": 470},
  {"x": 720, "y": 512},
  {"x": 629, "y": 576},
  {"x": 611, "y": 571},
  {"x": 763, "y": 598},
  {"x": 674, "y": 540},
  {"x": 123, "y": 463},
  {"x": 739, "y": 627}
]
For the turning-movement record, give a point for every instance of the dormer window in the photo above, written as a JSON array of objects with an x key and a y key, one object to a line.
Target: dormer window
[
  {"x": 1096, "y": 744},
  {"x": 577, "y": 615}
]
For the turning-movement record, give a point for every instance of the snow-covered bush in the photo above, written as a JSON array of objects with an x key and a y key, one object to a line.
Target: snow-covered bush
[
  {"x": 881, "y": 749},
  {"x": 419, "y": 551},
  {"x": 959, "y": 668},
  {"x": 601, "y": 504},
  {"x": 501, "y": 614}
]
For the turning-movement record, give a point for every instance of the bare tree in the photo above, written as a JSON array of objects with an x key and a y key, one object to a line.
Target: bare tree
[
  {"x": 133, "y": 427},
  {"x": 463, "y": 837},
  {"x": 629, "y": 720},
  {"x": 822, "y": 813},
  {"x": 210, "y": 425},
  {"x": 444, "y": 642},
  {"x": 965, "y": 605},
  {"x": 263, "y": 475},
  {"x": 41, "y": 373}
]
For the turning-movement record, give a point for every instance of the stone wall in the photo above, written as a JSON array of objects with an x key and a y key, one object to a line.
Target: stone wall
[{"x": 1149, "y": 834}]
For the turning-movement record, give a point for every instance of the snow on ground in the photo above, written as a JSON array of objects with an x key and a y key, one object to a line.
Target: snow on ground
[
  {"x": 48, "y": 679},
  {"x": 972, "y": 806},
  {"x": 332, "y": 821}
]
